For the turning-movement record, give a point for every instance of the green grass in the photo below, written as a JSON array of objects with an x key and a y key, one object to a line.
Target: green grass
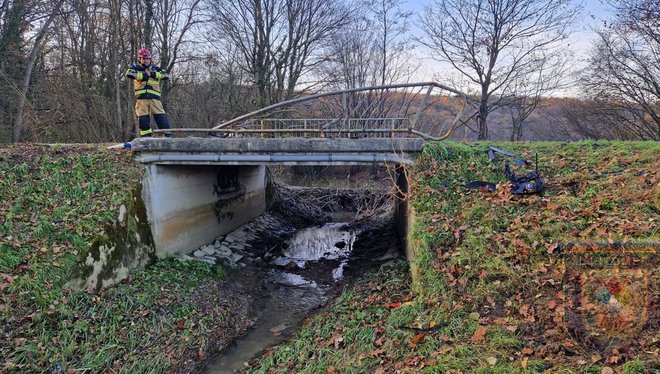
[
  {"x": 55, "y": 202},
  {"x": 481, "y": 261},
  {"x": 480, "y": 265}
]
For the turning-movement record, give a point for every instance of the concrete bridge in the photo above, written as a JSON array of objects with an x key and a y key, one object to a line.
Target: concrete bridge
[{"x": 198, "y": 188}]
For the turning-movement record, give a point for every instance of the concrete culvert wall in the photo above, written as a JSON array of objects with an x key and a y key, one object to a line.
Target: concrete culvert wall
[{"x": 190, "y": 205}]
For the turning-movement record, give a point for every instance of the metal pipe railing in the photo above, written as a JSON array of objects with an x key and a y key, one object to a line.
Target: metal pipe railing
[{"x": 342, "y": 124}]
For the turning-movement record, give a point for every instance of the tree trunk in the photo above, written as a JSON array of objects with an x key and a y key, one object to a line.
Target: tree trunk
[
  {"x": 482, "y": 119},
  {"x": 115, "y": 71},
  {"x": 18, "y": 124},
  {"x": 516, "y": 130},
  {"x": 148, "y": 24}
]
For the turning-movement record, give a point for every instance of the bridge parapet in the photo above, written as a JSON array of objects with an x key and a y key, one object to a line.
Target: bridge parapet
[{"x": 285, "y": 151}]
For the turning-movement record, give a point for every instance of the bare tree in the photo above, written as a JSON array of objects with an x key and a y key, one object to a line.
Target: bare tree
[
  {"x": 593, "y": 119},
  {"x": 526, "y": 92},
  {"x": 495, "y": 42},
  {"x": 174, "y": 21},
  {"x": 371, "y": 51},
  {"x": 18, "y": 124},
  {"x": 391, "y": 28},
  {"x": 148, "y": 23},
  {"x": 280, "y": 41},
  {"x": 624, "y": 70},
  {"x": 353, "y": 61},
  {"x": 15, "y": 20}
]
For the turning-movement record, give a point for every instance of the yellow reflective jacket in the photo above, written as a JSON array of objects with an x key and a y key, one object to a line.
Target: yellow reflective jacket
[{"x": 146, "y": 80}]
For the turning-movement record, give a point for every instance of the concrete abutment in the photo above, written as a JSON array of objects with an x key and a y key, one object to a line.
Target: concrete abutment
[{"x": 191, "y": 205}]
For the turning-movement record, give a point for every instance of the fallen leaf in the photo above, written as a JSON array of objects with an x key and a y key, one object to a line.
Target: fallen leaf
[
  {"x": 445, "y": 349},
  {"x": 479, "y": 334},
  {"x": 7, "y": 278},
  {"x": 607, "y": 370},
  {"x": 552, "y": 304},
  {"x": 418, "y": 338},
  {"x": 501, "y": 320},
  {"x": 613, "y": 359},
  {"x": 336, "y": 341},
  {"x": 414, "y": 360},
  {"x": 376, "y": 353},
  {"x": 523, "y": 363},
  {"x": 492, "y": 361},
  {"x": 527, "y": 351},
  {"x": 524, "y": 310}
]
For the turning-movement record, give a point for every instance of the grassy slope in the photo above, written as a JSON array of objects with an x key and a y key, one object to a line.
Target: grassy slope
[
  {"x": 487, "y": 296},
  {"x": 482, "y": 264},
  {"x": 55, "y": 200}
]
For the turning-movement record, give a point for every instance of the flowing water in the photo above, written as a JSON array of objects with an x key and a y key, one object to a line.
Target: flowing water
[{"x": 308, "y": 272}]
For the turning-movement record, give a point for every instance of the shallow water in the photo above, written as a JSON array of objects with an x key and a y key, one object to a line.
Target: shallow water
[
  {"x": 319, "y": 253},
  {"x": 275, "y": 321}
]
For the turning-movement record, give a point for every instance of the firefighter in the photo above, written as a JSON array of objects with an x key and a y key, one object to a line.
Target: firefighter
[{"x": 146, "y": 82}]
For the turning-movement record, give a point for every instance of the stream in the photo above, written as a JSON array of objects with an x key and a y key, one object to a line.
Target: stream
[{"x": 292, "y": 272}]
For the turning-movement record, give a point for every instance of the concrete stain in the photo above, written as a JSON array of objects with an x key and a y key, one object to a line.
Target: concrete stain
[{"x": 127, "y": 243}]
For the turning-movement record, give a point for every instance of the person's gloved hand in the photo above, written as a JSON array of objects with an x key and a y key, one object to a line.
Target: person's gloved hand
[
  {"x": 153, "y": 74},
  {"x": 131, "y": 73}
]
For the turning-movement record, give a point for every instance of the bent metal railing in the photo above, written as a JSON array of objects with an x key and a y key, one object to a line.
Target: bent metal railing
[{"x": 429, "y": 110}]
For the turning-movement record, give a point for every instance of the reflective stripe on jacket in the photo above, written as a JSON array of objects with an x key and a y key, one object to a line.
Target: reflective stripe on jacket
[{"x": 144, "y": 86}]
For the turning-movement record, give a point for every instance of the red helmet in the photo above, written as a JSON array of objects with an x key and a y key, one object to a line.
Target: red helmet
[{"x": 144, "y": 53}]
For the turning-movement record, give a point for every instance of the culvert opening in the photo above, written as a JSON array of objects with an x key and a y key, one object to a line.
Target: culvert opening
[{"x": 295, "y": 258}]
